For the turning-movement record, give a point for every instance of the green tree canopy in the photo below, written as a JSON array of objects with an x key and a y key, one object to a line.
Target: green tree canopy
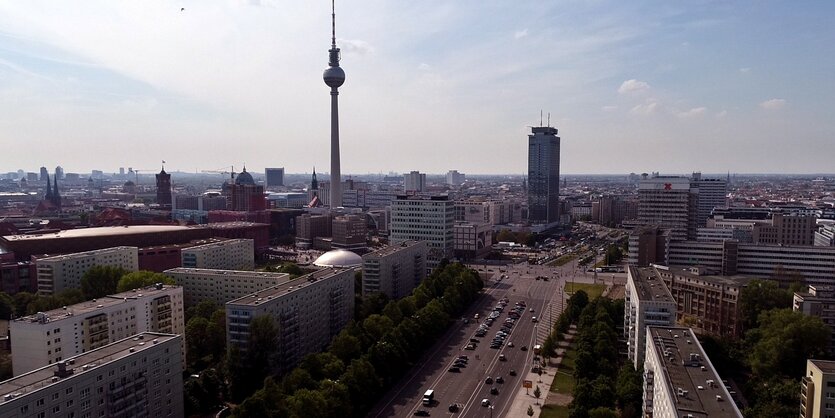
[
  {"x": 141, "y": 278},
  {"x": 783, "y": 342},
  {"x": 101, "y": 281},
  {"x": 759, "y": 296}
]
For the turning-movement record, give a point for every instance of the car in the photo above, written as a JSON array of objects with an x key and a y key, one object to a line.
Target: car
[
  {"x": 524, "y": 348},
  {"x": 494, "y": 390},
  {"x": 489, "y": 380},
  {"x": 454, "y": 369},
  {"x": 531, "y": 309},
  {"x": 453, "y": 407},
  {"x": 421, "y": 413},
  {"x": 502, "y": 357},
  {"x": 474, "y": 340},
  {"x": 470, "y": 347},
  {"x": 512, "y": 372},
  {"x": 510, "y": 344},
  {"x": 463, "y": 357},
  {"x": 537, "y": 278},
  {"x": 485, "y": 402},
  {"x": 499, "y": 379},
  {"x": 476, "y": 316}
]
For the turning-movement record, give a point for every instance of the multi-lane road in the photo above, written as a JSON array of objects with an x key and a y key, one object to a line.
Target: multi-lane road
[{"x": 468, "y": 388}]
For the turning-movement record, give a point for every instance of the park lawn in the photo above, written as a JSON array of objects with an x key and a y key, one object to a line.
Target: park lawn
[
  {"x": 554, "y": 411},
  {"x": 593, "y": 290},
  {"x": 564, "y": 379},
  {"x": 563, "y": 260}
]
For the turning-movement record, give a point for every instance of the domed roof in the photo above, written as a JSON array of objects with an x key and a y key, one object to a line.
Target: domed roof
[
  {"x": 244, "y": 178},
  {"x": 129, "y": 183},
  {"x": 338, "y": 258}
]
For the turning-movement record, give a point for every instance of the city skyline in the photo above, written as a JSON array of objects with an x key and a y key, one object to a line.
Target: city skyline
[{"x": 709, "y": 87}]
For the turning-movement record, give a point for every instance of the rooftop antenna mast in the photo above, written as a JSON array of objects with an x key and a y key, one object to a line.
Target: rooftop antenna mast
[
  {"x": 540, "y": 117},
  {"x": 549, "y": 119}
]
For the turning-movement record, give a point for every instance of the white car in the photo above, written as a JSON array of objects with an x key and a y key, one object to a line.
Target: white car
[
  {"x": 485, "y": 402},
  {"x": 510, "y": 344}
]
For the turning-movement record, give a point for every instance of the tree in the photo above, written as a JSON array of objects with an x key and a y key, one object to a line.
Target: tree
[
  {"x": 602, "y": 412},
  {"x": 537, "y": 393},
  {"x": 530, "y": 411},
  {"x": 783, "y": 342},
  {"x": 141, "y": 278},
  {"x": 101, "y": 281},
  {"x": 759, "y": 296},
  {"x": 629, "y": 391},
  {"x": 7, "y": 306},
  {"x": 346, "y": 346}
]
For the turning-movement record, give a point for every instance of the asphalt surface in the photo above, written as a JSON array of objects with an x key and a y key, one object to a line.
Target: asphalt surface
[{"x": 467, "y": 388}]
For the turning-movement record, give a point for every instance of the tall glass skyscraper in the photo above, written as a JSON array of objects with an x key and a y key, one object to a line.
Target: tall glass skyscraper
[{"x": 543, "y": 175}]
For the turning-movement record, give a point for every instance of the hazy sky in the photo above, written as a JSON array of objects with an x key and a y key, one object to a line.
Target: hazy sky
[{"x": 430, "y": 85}]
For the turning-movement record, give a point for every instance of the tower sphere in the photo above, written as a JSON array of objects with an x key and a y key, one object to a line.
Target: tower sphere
[{"x": 334, "y": 76}]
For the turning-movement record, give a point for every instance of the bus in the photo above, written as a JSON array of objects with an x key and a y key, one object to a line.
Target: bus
[
  {"x": 537, "y": 349},
  {"x": 428, "y": 397}
]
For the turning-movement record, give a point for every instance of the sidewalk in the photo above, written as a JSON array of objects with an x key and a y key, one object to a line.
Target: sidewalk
[{"x": 525, "y": 398}]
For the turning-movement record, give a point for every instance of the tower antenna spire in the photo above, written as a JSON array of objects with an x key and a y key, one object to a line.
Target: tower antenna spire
[
  {"x": 333, "y": 23},
  {"x": 549, "y": 119},
  {"x": 540, "y": 117}
]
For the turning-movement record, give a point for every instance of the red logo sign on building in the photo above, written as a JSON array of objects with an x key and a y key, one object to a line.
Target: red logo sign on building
[{"x": 668, "y": 186}]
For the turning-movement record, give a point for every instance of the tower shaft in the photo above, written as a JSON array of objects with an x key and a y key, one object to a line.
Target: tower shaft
[{"x": 336, "y": 175}]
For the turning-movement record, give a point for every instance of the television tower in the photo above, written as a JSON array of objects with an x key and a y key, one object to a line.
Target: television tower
[{"x": 334, "y": 77}]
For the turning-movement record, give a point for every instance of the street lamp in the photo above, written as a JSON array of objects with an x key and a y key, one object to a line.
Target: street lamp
[{"x": 491, "y": 408}]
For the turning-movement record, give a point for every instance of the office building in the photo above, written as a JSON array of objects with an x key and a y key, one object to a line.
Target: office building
[
  {"x": 825, "y": 234},
  {"x": 59, "y": 172},
  {"x": 309, "y": 311},
  {"x": 647, "y": 245},
  {"x": 138, "y": 376},
  {"x": 415, "y": 181},
  {"x": 274, "y": 177},
  {"x": 424, "y": 218},
  {"x": 711, "y": 193},
  {"x": 667, "y": 202},
  {"x": 164, "y": 189},
  {"x": 679, "y": 379},
  {"x": 817, "y": 389},
  {"x": 818, "y": 301},
  {"x": 454, "y": 178},
  {"x": 221, "y": 286},
  {"x": 62, "y": 272},
  {"x": 49, "y": 337},
  {"x": 647, "y": 302},
  {"x": 543, "y": 175},
  {"x": 350, "y": 232},
  {"x": 786, "y": 229},
  {"x": 231, "y": 254},
  {"x": 472, "y": 240},
  {"x": 44, "y": 175},
  {"x": 394, "y": 270},
  {"x": 309, "y": 227}
]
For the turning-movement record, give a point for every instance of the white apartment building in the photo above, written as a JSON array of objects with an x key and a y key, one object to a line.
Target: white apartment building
[
  {"x": 139, "y": 376},
  {"x": 221, "y": 286},
  {"x": 424, "y": 218},
  {"x": 817, "y": 390},
  {"x": 230, "y": 254},
  {"x": 62, "y": 272},
  {"x": 309, "y": 311},
  {"x": 454, "y": 178},
  {"x": 49, "y": 337},
  {"x": 394, "y": 270},
  {"x": 647, "y": 302},
  {"x": 679, "y": 379}
]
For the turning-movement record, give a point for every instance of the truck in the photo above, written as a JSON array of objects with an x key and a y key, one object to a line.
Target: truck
[
  {"x": 428, "y": 397},
  {"x": 537, "y": 349}
]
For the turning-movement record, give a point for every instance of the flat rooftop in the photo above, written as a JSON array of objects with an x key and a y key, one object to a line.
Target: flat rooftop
[
  {"x": 696, "y": 387},
  {"x": 826, "y": 366},
  {"x": 649, "y": 286},
  {"x": 99, "y": 231},
  {"x": 235, "y": 224},
  {"x": 212, "y": 244},
  {"x": 276, "y": 291},
  {"x": 82, "y": 363},
  {"x": 89, "y": 306},
  {"x": 47, "y": 257},
  {"x": 737, "y": 280},
  {"x": 226, "y": 273},
  {"x": 391, "y": 249}
]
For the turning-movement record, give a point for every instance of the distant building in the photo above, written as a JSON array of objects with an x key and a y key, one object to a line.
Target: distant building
[
  {"x": 44, "y": 174},
  {"x": 667, "y": 202},
  {"x": 164, "y": 189},
  {"x": 711, "y": 193},
  {"x": 647, "y": 245},
  {"x": 472, "y": 240},
  {"x": 59, "y": 172},
  {"x": 679, "y": 379},
  {"x": 415, "y": 181},
  {"x": 543, "y": 175},
  {"x": 49, "y": 337},
  {"x": 647, "y": 302},
  {"x": 350, "y": 232},
  {"x": 274, "y": 177},
  {"x": 394, "y": 270},
  {"x": 309, "y": 227},
  {"x": 231, "y": 254},
  {"x": 221, "y": 286},
  {"x": 138, "y": 376},
  {"x": 244, "y": 195},
  {"x": 825, "y": 235},
  {"x": 454, "y": 178},
  {"x": 819, "y": 301},
  {"x": 62, "y": 272},
  {"x": 424, "y": 218},
  {"x": 309, "y": 311},
  {"x": 816, "y": 391}
]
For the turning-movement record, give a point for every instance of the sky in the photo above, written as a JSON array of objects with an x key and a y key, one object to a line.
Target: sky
[{"x": 637, "y": 86}]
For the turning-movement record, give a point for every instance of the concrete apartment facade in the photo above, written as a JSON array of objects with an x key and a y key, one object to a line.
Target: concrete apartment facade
[
  {"x": 817, "y": 390},
  {"x": 221, "y": 286},
  {"x": 231, "y": 254},
  {"x": 647, "y": 302},
  {"x": 139, "y": 376},
  {"x": 49, "y": 337},
  {"x": 394, "y": 270},
  {"x": 309, "y": 311},
  {"x": 62, "y": 272},
  {"x": 424, "y": 218},
  {"x": 679, "y": 379}
]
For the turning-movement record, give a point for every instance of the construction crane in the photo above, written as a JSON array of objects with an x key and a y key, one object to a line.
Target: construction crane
[
  {"x": 136, "y": 173},
  {"x": 222, "y": 170}
]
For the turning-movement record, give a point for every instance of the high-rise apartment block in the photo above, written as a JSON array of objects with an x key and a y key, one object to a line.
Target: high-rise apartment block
[
  {"x": 49, "y": 337},
  {"x": 679, "y": 379},
  {"x": 817, "y": 389},
  {"x": 454, "y": 178},
  {"x": 712, "y": 193},
  {"x": 62, "y": 272},
  {"x": 543, "y": 175},
  {"x": 231, "y": 254},
  {"x": 309, "y": 311},
  {"x": 139, "y": 376},
  {"x": 221, "y": 286},
  {"x": 274, "y": 177},
  {"x": 44, "y": 175},
  {"x": 394, "y": 270},
  {"x": 415, "y": 181},
  {"x": 667, "y": 202},
  {"x": 647, "y": 302},
  {"x": 424, "y": 218}
]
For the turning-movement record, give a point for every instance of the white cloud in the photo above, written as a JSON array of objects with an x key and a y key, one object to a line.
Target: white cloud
[
  {"x": 609, "y": 108},
  {"x": 355, "y": 46},
  {"x": 633, "y": 85},
  {"x": 648, "y": 108},
  {"x": 773, "y": 104},
  {"x": 722, "y": 114},
  {"x": 520, "y": 34},
  {"x": 424, "y": 66},
  {"x": 692, "y": 113},
  {"x": 745, "y": 70}
]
